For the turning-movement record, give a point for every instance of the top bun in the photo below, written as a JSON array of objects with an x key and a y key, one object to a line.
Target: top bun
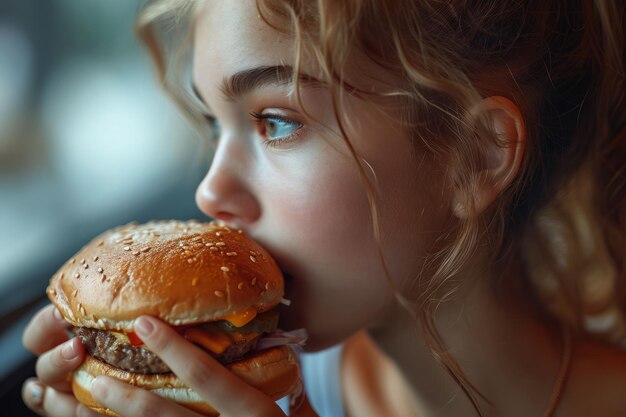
[{"x": 181, "y": 272}]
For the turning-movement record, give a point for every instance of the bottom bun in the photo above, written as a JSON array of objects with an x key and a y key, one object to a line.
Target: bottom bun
[{"x": 274, "y": 372}]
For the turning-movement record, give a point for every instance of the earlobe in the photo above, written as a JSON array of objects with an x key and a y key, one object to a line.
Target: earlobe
[{"x": 502, "y": 150}]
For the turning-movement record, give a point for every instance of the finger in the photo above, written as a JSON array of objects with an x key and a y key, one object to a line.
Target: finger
[
  {"x": 130, "y": 401},
  {"x": 45, "y": 330},
  {"x": 33, "y": 392},
  {"x": 59, "y": 404},
  {"x": 54, "y": 366},
  {"x": 49, "y": 402},
  {"x": 83, "y": 411},
  {"x": 210, "y": 379}
]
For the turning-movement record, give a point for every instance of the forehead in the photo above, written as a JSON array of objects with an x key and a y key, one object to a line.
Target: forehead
[{"x": 231, "y": 36}]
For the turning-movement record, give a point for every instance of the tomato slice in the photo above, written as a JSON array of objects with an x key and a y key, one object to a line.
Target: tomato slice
[{"x": 134, "y": 339}]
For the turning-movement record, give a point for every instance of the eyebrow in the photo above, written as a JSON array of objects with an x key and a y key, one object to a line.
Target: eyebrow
[{"x": 250, "y": 79}]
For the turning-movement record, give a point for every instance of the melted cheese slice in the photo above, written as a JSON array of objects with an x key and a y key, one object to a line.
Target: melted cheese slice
[
  {"x": 209, "y": 338},
  {"x": 215, "y": 340},
  {"x": 242, "y": 318}
]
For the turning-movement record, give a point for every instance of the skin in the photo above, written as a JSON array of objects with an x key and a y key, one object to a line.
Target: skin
[{"x": 305, "y": 201}]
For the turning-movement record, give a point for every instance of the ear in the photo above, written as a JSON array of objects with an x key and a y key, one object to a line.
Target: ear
[{"x": 501, "y": 158}]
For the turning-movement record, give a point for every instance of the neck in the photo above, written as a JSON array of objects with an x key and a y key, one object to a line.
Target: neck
[{"x": 506, "y": 353}]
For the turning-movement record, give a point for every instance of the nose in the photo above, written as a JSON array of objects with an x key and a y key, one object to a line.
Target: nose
[{"x": 225, "y": 192}]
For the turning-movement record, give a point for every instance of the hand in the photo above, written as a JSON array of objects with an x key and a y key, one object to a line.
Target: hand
[
  {"x": 50, "y": 394},
  {"x": 201, "y": 372}
]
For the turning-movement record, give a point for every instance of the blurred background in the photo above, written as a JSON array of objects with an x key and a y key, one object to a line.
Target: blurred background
[{"x": 87, "y": 142}]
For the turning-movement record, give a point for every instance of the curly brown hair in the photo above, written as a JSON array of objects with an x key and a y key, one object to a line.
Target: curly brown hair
[{"x": 561, "y": 62}]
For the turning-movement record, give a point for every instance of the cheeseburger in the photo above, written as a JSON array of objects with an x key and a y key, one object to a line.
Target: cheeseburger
[{"x": 215, "y": 285}]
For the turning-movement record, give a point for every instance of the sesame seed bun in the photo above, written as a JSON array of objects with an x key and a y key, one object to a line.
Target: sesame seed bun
[
  {"x": 184, "y": 273},
  {"x": 181, "y": 272},
  {"x": 274, "y": 372}
]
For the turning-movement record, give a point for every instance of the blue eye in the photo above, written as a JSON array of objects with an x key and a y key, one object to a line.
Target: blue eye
[{"x": 276, "y": 129}]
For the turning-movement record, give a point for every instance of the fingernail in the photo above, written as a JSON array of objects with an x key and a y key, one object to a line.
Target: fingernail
[
  {"x": 57, "y": 315},
  {"x": 36, "y": 390},
  {"x": 143, "y": 326},
  {"x": 68, "y": 351},
  {"x": 99, "y": 389}
]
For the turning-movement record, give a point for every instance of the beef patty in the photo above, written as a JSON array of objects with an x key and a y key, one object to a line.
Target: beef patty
[{"x": 106, "y": 347}]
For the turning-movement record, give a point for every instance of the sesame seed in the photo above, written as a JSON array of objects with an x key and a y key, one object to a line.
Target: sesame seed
[
  {"x": 86, "y": 266},
  {"x": 146, "y": 249},
  {"x": 95, "y": 258},
  {"x": 218, "y": 293},
  {"x": 197, "y": 238},
  {"x": 209, "y": 244},
  {"x": 77, "y": 275},
  {"x": 187, "y": 253},
  {"x": 100, "y": 270},
  {"x": 218, "y": 234},
  {"x": 194, "y": 281},
  {"x": 267, "y": 285},
  {"x": 213, "y": 248},
  {"x": 82, "y": 310},
  {"x": 62, "y": 275},
  {"x": 240, "y": 231},
  {"x": 103, "y": 278},
  {"x": 127, "y": 248},
  {"x": 181, "y": 244},
  {"x": 135, "y": 252},
  {"x": 74, "y": 293},
  {"x": 82, "y": 261},
  {"x": 220, "y": 244},
  {"x": 72, "y": 261},
  {"x": 254, "y": 281},
  {"x": 231, "y": 253},
  {"x": 101, "y": 243},
  {"x": 225, "y": 268},
  {"x": 190, "y": 260},
  {"x": 240, "y": 286},
  {"x": 252, "y": 258}
]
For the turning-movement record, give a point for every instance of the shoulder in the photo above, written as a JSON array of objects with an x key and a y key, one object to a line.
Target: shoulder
[{"x": 596, "y": 383}]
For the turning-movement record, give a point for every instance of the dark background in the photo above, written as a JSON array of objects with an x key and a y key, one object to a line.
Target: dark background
[{"x": 87, "y": 142}]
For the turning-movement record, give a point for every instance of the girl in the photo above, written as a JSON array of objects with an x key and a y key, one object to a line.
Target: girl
[{"x": 443, "y": 184}]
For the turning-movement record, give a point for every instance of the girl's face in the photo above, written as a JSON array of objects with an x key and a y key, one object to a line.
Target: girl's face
[{"x": 293, "y": 185}]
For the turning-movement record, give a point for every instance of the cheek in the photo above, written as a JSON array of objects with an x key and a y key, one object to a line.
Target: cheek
[{"x": 325, "y": 204}]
